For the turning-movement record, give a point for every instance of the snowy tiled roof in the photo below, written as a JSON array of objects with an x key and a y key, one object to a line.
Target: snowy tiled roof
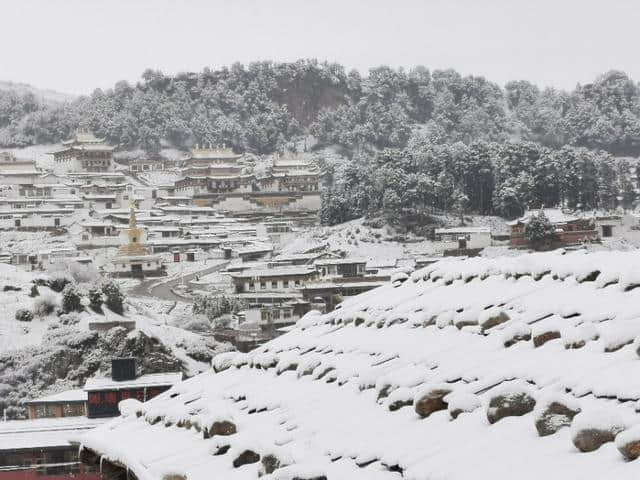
[
  {"x": 343, "y": 395},
  {"x": 554, "y": 215},
  {"x": 149, "y": 380},
  {"x": 66, "y": 396},
  {"x": 43, "y": 432},
  {"x": 460, "y": 230},
  {"x": 273, "y": 272}
]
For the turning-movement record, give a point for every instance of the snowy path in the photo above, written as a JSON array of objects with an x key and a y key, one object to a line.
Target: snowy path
[{"x": 164, "y": 290}]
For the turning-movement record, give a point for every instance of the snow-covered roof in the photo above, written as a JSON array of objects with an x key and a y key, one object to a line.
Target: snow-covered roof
[
  {"x": 61, "y": 397},
  {"x": 343, "y": 395},
  {"x": 43, "y": 432},
  {"x": 461, "y": 230},
  {"x": 554, "y": 215},
  {"x": 337, "y": 284},
  {"x": 273, "y": 272},
  {"x": 339, "y": 261},
  {"x": 149, "y": 380}
]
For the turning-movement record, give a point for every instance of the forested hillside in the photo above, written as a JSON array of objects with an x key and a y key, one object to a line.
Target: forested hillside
[
  {"x": 418, "y": 140},
  {"x": 261, "y": 106}
]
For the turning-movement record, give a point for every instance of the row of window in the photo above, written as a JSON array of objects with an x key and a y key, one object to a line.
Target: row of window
[
  {"x": 18, "y": 223},
  {"x": 267, "y": 315},
  {"x": 274, "y": 284}
]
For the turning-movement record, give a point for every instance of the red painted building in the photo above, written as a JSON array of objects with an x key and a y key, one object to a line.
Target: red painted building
[
  {"x": 570, "y": 230},
  {"x": 104, "y": 394}
]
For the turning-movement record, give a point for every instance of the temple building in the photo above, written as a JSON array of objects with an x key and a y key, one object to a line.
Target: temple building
[
  {"x": 216, "y": 177},
  {"x": 214, "y": 170},
  {"x": 84, "y": 152},
  {"x": 212, "y": 161},
  {"x": 134, "y": 259}
]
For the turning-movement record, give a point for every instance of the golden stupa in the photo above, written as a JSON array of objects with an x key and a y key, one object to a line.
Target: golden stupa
[{"x": 136, "y": 236}]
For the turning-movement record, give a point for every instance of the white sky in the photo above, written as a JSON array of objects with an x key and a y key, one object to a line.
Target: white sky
[{"x": 77, "y": 45}]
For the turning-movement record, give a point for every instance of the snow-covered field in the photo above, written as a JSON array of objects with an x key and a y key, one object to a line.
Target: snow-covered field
[{"x": 354, "y": 393}]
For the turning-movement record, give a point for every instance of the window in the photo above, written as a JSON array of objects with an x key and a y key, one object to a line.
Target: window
[
  {"x": 252, "y": 286},
  {"x": 297, "y": 283},
  {"x": 56, "y": 222},
  {"x": 274, "y": 284},
  {"x": 285, "y": 284},
  {"x": 607, "y": 231},
  {"x": 17, "y": 223},
  {"x": 263, "y": 285}
]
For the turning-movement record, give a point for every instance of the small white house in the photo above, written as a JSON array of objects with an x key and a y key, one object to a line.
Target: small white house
[{"x": 463, "y": 237}]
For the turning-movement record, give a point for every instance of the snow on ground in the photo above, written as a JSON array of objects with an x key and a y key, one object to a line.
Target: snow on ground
[
  {"x": 358, "y": 240},
  {"x": 40, "y": 153},
  {"x": 164, "y": 177},
  {"x": 15, "y": 334},
  {"x": 333, "y": 396},
  {"x": 178, "y": 269},
  {"x": 31, "y": 242}
]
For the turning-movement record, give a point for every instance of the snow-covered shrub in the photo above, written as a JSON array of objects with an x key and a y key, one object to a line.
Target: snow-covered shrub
[
  {"x": 58, "y": 281},
  {"x": 539, "y": 232},
  {"x": 24, "y": 315},
  {"x": 70, "y": 318},
  {"x": 34, "y": 291},
  {"x": 129, "y": 406},
  {"x": 196, "y": 324},
  {"x": 44, "y": 305},
  {"x": 200, "y": 349},
  {"x": 75, "y": 271},
  {"x": 71, "y": 299},
  {"x": 95, "y": 299},
  {"x": 214, "y": 306},
  {"x": 113, "y": 297}
]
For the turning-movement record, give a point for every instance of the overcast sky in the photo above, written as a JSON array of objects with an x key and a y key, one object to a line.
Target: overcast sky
[{"x": 77, "y": 45}]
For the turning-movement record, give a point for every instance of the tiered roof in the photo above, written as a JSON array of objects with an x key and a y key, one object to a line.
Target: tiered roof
[{"x": 346, "y": 394}]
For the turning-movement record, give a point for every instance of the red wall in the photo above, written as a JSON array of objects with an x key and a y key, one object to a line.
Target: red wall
[{"x": 34, "y": 475}]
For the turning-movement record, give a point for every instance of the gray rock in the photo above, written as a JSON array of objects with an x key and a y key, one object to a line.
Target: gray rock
[
  {"x": 223, "y": 428},
  {"x": 630, "y": 450},
  {"x": 494, "y": 320},
  {"x": 543, "y": 338},
  {"x": 553, "y": 418},
  {"x": 509, "y": 405},
  {"x": 431, "y": 401},
  {"x": 591, "y": 439},
  {"x": 245, "y": 458}
]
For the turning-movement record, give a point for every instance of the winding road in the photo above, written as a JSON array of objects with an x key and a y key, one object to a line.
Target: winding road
[{"x": 164, "y": 289}]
